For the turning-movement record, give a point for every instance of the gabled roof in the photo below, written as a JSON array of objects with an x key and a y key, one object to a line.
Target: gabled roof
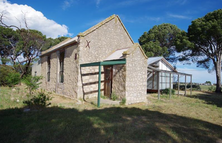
[
  {"x": 133, "y": 48},
  {"x": 153, "y": 60},
  {"x": 75, "y": 39},
  {"x": 116, "y": 17},
  {"x": 60, "y": 45},
  {"x": 118, "y": 54}
]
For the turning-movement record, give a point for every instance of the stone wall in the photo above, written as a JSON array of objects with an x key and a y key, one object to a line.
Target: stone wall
[
  {"x": 103, "y": 41},
  {"x": 136, "y": 77},
  {"x": 119, "y": 81},
  {"x": 69, "y": 86}
]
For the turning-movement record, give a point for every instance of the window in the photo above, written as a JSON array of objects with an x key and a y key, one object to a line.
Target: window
[
  {"x": 61, "y": 70},
  {"x": 48, "y": 67}
]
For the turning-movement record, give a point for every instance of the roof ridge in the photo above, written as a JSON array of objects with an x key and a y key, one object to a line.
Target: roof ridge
[
  {"x": 93, "y": 28},
  {"x": 55, "y": 46},
  {"x": 133, "y": 48}
]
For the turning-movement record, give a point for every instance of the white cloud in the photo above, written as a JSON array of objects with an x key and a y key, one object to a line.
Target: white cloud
[
  {"x": 141, "y": 19},
  {"x": 97, "y": 3},
  {"x": 67, "y": 4},
  {"x": 178, "y": 16},
  {"x": 14, "y": 14}
]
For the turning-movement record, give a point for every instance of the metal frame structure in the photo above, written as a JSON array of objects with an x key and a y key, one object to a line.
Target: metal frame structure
[
  {"x": 99, "y": 64},
  {"x": 159, "y": 80}
]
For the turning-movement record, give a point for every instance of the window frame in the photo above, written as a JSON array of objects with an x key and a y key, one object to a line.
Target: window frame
[
  {"x": 61, "y": 66},
  {"x": 48, "y": 67}
]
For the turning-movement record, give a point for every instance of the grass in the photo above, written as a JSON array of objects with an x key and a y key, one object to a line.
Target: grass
[
  {"x": 196, "y": 118},
  {"x": 206, "y": 87}
]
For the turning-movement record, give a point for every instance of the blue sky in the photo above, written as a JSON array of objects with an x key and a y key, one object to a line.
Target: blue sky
[{"x": 70, "y": 17}]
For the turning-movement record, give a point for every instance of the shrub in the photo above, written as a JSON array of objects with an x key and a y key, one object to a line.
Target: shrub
[
  {"x": 32, "y": 83},
  {"x": 123, "y": 101},
  {"x": 114, "y": 96},
  {"x": 212, "y": 88},
  {"x": 8, "y": 76},
  {"x": 167, "y": 91},
  {"x": 182, "y": 87},
  {"x": 38, "y": 101},
  {"x": 13, "y": 78}
]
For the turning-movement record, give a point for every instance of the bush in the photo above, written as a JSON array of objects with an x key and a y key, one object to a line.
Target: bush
[
  {"x": 114, "y": 96},
  {"x": 182, "y": 87},
  {"x": 32, "y": 83},
  {"x": 13, "y": 78},
  {"x": 167, "y": 91},
  {"x": 8, "y": 76},
  {"x": 38, "y": 101},
  {"x": 123, "y": 101},
  {"x": 212, "y": 88}
]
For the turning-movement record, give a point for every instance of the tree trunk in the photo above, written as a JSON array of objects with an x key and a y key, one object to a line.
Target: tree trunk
[{"x": 218, "y": 76}]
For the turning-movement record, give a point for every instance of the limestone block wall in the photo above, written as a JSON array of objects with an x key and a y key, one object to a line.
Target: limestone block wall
[
  {"x": 102, "y": 42},
  {"x": 136, "y": 77},
  {"x": 89, "y": 79},
  {"x": 69, "y": 87},
  {"x": 119, "y": 81},
  {"x": 49, "y": 85},
  {"x": 43, "y": 71},
  {"x": 71, "y": 69}
]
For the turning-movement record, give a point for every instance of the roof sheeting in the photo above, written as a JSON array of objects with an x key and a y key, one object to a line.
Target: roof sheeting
[
  {"x": 61, "y": 44},
  {"x": 118, "y": 54},
  {"x": 152, "y": 60}
]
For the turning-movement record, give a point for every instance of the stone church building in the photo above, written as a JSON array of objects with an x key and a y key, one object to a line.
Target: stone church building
[{"x": 102, "y": 60}]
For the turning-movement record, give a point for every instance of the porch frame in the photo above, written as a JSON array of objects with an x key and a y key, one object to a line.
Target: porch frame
[{"x": 99, "y": 64}]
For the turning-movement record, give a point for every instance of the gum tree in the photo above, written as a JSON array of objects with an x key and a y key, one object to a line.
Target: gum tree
[
  {"x": 202, "y": 44},
  {"x": 159, "y": 41}
]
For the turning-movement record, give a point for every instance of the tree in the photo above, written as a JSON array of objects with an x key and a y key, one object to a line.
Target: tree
[
  {"x": 208, "y": 82},
  {"x": 159, "y": 41},
  {"x": 24, "y": 48},
  {"x": 202, "y": 43},
  {"x": 51, "y": 42},
  {"x": 8, "y": 40}
]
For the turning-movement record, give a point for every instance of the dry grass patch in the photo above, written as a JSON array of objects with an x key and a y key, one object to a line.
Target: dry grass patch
[{"x": 179, "y": 119}]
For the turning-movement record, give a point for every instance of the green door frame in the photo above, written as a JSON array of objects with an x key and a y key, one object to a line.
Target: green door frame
[{"x": 103, "y": 63}]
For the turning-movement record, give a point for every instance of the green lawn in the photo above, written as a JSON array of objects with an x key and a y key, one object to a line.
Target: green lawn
[{"x": 196, "y": 118}]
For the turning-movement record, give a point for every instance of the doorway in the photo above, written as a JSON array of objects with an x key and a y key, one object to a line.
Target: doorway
[{"x": 108, "y": 77}]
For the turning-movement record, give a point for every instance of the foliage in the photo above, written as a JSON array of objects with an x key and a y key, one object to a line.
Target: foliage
[
  {"x": 212, "y": 88},
  {"x": 8, "y": 76},
  {"x": 159, "y": 41},
  {"x": 195, "y": 87},
  {"x": 202, "y": 43},
  {"x": 52, "y": 42},
  {"x": 8, "y": 39},
  {"x": 114, "y": 97},
  {"x": 38, "y": 101},
  {"x": 123, "y": 101},
  {"x": 32, "y": 83},
  {"x": 13, "y": 78},
  {"x": 103, "y": 97},
  {"x": 21, "y": 42},
  {"x": 208, "y": 82},
  {"x": 167, "y": 91}
]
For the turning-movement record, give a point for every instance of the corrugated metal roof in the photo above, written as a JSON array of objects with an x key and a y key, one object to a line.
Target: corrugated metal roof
[
  {"x": 151, "y": 60},
  {"x": 118, "y": 54},
  {"x": 61, "y": 44}
]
